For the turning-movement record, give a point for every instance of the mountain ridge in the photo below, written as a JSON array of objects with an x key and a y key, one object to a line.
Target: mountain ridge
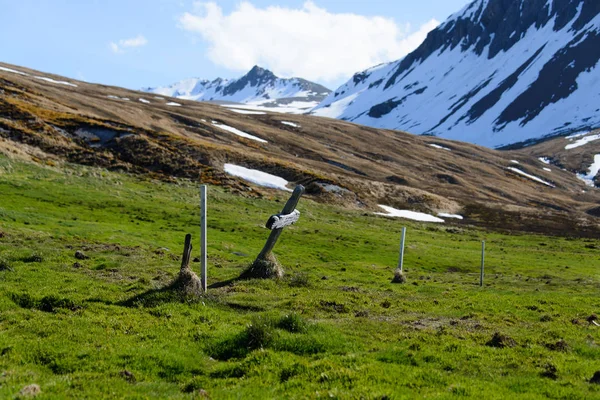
[
  {"x": 50, "y": 120},
  {"x": 259, "y": 87},
  {"x": 496, "y": 73}
]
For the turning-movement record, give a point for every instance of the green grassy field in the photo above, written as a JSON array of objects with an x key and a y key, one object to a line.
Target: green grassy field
[{"x": 334, "y": 327}]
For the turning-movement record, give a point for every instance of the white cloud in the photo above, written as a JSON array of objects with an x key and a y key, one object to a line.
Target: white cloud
[
  {"x": 309, "y": 42},
  {"x": 124, "y": 44}
]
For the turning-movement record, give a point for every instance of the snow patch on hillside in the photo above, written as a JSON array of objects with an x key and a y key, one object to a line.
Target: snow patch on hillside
[
  {"x": 246, "y": 112},
  {"x": 582, "y": 142},
  {"x": 532, "y": 177},
  {"x": 237, "y": 132},
  {"x": 412, "y": 215},
  {"x": 446, "y": 215},
  {"x": 258, "y": 177},
  {"x": 13, "y": 71},
  {"x": 113, "y": 97},
  {"x": 592, "y": 172},
  {"x": 437, "y": 146},
  {"x": 43, "y": 78}
]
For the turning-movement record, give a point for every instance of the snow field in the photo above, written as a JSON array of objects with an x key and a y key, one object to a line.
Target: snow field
[{"x": 257, "y": 177}]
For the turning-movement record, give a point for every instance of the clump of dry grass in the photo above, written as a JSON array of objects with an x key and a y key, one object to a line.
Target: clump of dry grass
[
  {"x": 187, "y": 282},
  {"x": 399, "y": 277},
  {"x": 264, "y": 268}
]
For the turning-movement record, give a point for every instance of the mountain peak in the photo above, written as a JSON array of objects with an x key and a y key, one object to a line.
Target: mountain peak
[
  {"x": 258, "y": 75},
  {"x": 258, "y": 86},
  {"x": 496, "y": 73},
  {"x": 257, "y": 70}
]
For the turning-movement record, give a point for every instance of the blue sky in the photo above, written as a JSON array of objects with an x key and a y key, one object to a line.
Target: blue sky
[{"x": 136, "y": 43}]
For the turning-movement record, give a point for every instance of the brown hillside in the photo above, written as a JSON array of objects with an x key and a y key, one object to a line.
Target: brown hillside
[{"x": 337, "y": 161}]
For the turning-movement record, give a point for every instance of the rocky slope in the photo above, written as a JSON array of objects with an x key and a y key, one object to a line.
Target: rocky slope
[{"x": 496, "y": 73}]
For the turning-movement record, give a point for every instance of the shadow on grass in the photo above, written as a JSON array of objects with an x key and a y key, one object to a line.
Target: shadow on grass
[
  {"x": 289, "y": 333},
  {"x": 155, "y": 297},
  {"x": 50, "y": 304}
]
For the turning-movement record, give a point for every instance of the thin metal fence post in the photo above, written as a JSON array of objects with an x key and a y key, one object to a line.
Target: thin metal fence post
[
  {"x": 482, "y": 262},
  {"x": 401, "y": 261},
  {"x": 203, "y": 236}
]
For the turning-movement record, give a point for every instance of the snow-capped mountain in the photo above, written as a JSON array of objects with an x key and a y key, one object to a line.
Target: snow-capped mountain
[
  {"x": 258, "y": 87},
  {"x": 496, "y": 73}
]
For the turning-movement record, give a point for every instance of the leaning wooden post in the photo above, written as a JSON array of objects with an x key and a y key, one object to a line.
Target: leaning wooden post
[
  {"x": 203, "y": 272},
  {"x": 266, "y": 265},
  {"x": 399, "y": 273},
  {"x": 482, "y": 263}
]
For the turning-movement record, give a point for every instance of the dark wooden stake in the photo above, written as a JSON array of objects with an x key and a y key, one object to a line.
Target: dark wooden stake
[
  {"x": 187, "y": 282},
  {"x": 187, "y": 252}
]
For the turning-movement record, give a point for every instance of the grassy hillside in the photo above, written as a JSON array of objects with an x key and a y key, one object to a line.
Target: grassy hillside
[
  {"x": 337, "y": 161},
  {"x": 333, "y": 327}
]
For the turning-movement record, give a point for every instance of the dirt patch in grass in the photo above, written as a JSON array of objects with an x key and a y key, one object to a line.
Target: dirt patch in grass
[
  {"x": 501, "y": 341},
  {"x": 333, "y": 306},
  {"x": 561, "y": 345}
]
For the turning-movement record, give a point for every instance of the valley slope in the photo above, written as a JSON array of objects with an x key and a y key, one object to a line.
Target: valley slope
[{"x": 51, "y": 119}]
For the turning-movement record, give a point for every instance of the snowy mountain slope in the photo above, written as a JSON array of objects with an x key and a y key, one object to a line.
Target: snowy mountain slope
[
  {"x": 496, "y": 73},
  {"x": 257, "y": 87}
]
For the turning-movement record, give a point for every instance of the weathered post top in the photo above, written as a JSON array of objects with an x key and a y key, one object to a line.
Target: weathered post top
[
  {"x": 280, "y": 221},
  {"x": 293, "y": 201}
]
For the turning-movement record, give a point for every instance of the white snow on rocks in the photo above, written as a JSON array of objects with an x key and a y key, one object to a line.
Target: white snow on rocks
[
  {"x": 413, "y": 215},
  {"x": 144, "y": 101},
  {"x": 437, "y": 146},
  {"x": 54, "y": 81},
  {"x": 110, "y": 96},
  {"x": 545, "y": 160},
  {"x": 290, "y": 124},
  {"x": 247, "y": 112},
  {"x": 172, "y": 103},
  {"x": 446, "y": 215},
  {"x": 515, "y": 162},
  {"x": 236, "y": 131},
  {"x": 532, "y": 177},
  {"x": 583, "y": 141},
  {"x": 547, "y": 169},
  {"x": 295, "y": 107},
  {"x": 13, "y": 71},
  {"x": 592, "y": 172},
  {"x": 258, "y": 177}
]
